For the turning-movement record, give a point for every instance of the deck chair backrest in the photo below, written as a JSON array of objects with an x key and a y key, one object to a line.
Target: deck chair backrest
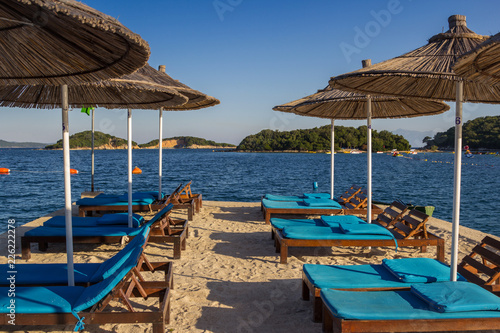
[
  {"x": 176, "y": 194},
  {"x": 391, "y": 214},
  {"x": 358, "y": 201},
  {"x": 349, "y": 194},
  {"x": 412, "y": 224},
  {"x": 186, "y": 190},
  {"x": 482, "y": 265}
]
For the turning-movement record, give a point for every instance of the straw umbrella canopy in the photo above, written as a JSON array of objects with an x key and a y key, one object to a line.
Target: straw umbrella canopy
[
  {"x": 64, "y": 42},
  {"x": 335, "y": 104},
  {"x": 427, "y": 72},
  {"x": 483, "y": 63}
]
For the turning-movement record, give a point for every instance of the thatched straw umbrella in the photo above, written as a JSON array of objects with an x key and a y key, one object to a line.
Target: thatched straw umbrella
[
  {"x": 64, "y": 42},
  {"x": 427, "y": 72},
  {"x": 483, "y": 63},
  {"x": 335, "y": 104}
]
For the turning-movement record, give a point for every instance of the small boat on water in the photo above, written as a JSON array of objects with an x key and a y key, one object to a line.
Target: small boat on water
[{"x": 355, "y": 152}]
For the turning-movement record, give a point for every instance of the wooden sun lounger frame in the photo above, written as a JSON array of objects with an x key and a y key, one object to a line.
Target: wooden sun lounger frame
[
  {"x": 356, "y": 206},
  {"x": 88, "y": 210},
  {"x": 470, "y": 268},
  {"x": 165, "y": 230},
  {"x": 184, "y": 199},
  {"x": 128, "y": 287},
  {"x": 412, "y": 226},
  {"x": 334, "y": 324}
]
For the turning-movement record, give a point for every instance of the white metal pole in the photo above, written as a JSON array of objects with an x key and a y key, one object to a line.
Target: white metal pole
[
  {"x": 92, "y": 177},
  {"x": 332, "y": 158},
  {"x": 369, "y": 156},
  {"x": 160, "y": 151},
  {"x": 129, "y": 149},
  {"x": 67, "y": 185},
  {"x": 457, "y": 182}
]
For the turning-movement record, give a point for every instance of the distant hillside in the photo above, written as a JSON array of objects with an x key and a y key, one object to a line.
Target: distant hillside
[
  {"x": 7, "y": 144},
  {"x": 83, "y": 140},
  {"x": 186, "y": 142},
  {"x": 319, "y": 139},
  {"x": 482, "y": 132}
]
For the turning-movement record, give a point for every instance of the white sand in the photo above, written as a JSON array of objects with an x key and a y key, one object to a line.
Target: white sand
[{"x": 229, "y": 279}]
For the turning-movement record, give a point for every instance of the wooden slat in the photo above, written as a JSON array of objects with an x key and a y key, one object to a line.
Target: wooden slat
[
  {"x": 403, "y": 228},
  {"x": 478, "y": 266},
  {"x": 491, "y": 242},
  {"x": 488, "y": 255},
  {"x": 471, "y": 277}
]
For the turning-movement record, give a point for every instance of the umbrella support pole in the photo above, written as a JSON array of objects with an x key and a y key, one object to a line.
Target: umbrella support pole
[
  {"x": 67, "y": 185},
  {"x": 160, "y": 152},
  {"x": 129, "y": 155},
  {"x": 457, "y": 182},
  {"x": 332, "y": 160}
]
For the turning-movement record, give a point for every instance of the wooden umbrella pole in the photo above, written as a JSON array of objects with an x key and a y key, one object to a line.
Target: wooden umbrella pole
[
  {"x": 92, "y": 176},
  {"x": 67, "y": 185}
]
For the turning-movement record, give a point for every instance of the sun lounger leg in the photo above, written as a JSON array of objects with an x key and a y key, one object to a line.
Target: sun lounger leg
[
  {"x": 283, "y": 253},
  {"x": 190, "y": 213},
  {"x": 267, "y": 216},
  {"x": 327, "y": 321},
  {"x": 272, "y": 234},
  {"x": 177, "y": 249},
  {"x": 317, "y": 309},
  {"x": 183, "y": 245},
  {"x": 25, "y": 249},
  {"x": 440, "y": 250},
  {"x": 305, "y": 291}
]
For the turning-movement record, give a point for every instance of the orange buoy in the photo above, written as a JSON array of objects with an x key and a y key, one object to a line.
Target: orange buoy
[
  {"x": 136, "y": 171},
  {"x": 4, "y": 170},
  {"x": 73, "y": 171}
]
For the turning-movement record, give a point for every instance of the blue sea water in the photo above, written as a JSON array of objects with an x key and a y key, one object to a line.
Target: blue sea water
[{"x": 35, "y": 185}]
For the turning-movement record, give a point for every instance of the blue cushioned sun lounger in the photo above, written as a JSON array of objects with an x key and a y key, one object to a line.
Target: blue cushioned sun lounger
[
  {"x": 101, "y": 234},
  {"x": 391, "y": 274},
  {"x": 297, "y": 197},
  {"x": 87, "y": 273},
  {"x": 430, "y": 307}
]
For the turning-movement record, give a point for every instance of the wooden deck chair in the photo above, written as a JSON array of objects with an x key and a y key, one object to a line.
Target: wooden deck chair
[
  {"x": 350, "y": 193},
  {"x": 186, "y": 196},
  {"x": 391, "y": 214},
  {"x": 181, "y": 201}
]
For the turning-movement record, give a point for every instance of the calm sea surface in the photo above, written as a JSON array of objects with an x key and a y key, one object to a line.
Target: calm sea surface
[{"x": 35, "y": 185}]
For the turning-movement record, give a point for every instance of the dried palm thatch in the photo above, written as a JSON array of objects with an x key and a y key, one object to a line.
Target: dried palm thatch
[
  {"x": 133, "y": 91},
  {"x": 64, "y": 42},
  {"x": 483, "y": 63},
  {"x": 337, "y": 104},
  {"x": 425, "y": 72}
]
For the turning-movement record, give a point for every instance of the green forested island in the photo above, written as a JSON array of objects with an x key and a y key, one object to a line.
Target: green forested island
[
  {"x": 83, "y": 140},
  {"x": 319, "y": 139},
  {"x": 186, "y": 142},
  {"x": 483, "y": 132}
]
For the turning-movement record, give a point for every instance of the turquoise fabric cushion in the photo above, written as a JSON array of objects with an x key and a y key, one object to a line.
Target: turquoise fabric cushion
[
  {"x": 97, "y": 201},
  {"x": 279, "y": 223},
  {"x": 98, "y": 231},
  {"x": 283, "y": 197},
  {"x": 317, "y": 195},
  {"x": 351, "y": 276},
  {"x": 76, "y": 221},
  {"x": 322, "y": 203},
  {"x": 364, "y": 229},
  {"x": 120, "y": 219},
  {"x": 158, "y": 215},
  {"x": 335, "y": 220},
  {"x": 317, "y": 232},
  {"x": 456, "y": 296},
  {"x": 43, "y": 274},
  {"x": 40, "y": 299},
  {"x": 388, "y": 305},
  {"x": 137, "y": 197},
  {"x": 418, "y": 270}
]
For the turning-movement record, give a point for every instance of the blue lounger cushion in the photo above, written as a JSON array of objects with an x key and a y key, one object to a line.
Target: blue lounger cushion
[
  {"x": 107, "y": 219},
  {"x": 334, "y": 221},
  {"x": 97, "y": 201},
  {"x": 280, "y": 223},
  {"x": 296, "y": 197},
  {"x": 98, "y": 231},
  {"x": 322, "y": 203},
  {"x": 314, "y": 232},
  {"x": 293, "y": 205},
  {"x": 364, "y": 229},
  {"x": 317, "y": 195},
  {"x": 120, "y": 219},
  {"x": 457, "y": 296},
  {"x": 388, "y": 305},
  {"x": 418, "y": 270},
  {"x": 351, "y": 276}
]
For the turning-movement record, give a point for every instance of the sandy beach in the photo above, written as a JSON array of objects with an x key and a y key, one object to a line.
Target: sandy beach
[{"x": 229, "y": 278}]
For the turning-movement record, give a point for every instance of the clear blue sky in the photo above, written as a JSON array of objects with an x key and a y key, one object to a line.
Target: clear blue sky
[{"x": 255, "y": 54}]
